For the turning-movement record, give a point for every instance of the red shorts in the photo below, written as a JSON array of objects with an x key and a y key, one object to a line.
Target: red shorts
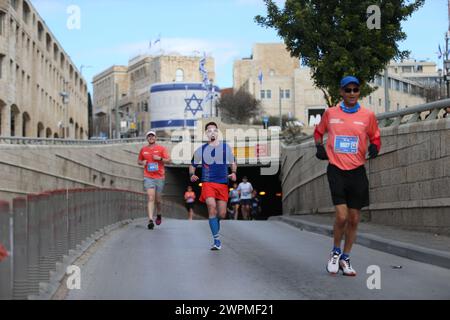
[{"x": 217, "y": 191}]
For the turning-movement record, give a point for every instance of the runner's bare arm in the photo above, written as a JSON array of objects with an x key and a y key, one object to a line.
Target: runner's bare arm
[
  {"x": 233, "y": 176},
  {"x": 194, "y": 178}
]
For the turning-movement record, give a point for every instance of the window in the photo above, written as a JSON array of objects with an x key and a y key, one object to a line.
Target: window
[
  {"x": 420, "y": 69},
  {"x": 14, "y": 4},
  {"x": 397, "y": 85},
  {"x": 269, "y": 94},
  {"x": 405, "y": 87},
  {"x": 40, "y": 30},
  {"x": 287, "y": 94},
  {"x": 179, "y": 75},
  {"x": 48, "y": 42},
  {"x": 379, "y": 80},
  {"x": 407, "y": 69},
  {"x": 55, "y": 52},
  {"x": 2, "y": 22},
  {"x": 263, "y": 94},
  {"x": 2, "y": 57},
  {"x": 26, "y": 12}
]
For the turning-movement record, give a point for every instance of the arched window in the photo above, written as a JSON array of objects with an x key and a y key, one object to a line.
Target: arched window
[
  {"x": 14, "y": 117},
  {"x": 40, "y": 130},
  {"x": 25, "y": 125},
  {"x": 2, "y": 116},
  {"x": 179, "y": 75},
  {"x": 48, "y": 133}
]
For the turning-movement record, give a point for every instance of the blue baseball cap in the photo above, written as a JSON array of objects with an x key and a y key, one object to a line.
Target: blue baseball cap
[{"x": 349, "y": 79}]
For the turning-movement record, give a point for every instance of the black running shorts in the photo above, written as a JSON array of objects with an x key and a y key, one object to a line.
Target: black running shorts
[{"x": 350, "y": 187}]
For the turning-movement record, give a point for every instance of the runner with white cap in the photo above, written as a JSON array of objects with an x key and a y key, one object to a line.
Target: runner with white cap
[{"x": 153, "y": 157}]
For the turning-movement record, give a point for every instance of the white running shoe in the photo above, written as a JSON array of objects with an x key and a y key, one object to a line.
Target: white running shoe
[
  {"x": 333, "y": 263},
  {"x": 347, "y": 268}
]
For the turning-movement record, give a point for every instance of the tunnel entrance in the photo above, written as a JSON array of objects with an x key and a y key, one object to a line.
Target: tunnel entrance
[{"x": 268, "y": 187}]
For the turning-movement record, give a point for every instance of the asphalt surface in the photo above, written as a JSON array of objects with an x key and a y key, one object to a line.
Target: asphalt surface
[{"x": 258, "y": 261}]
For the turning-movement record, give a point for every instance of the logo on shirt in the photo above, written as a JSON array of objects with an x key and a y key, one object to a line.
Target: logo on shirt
[
  {"x": 336, "y": 121},
  {"x": 145, "y": 153},
  {"x": 359, "y": 123}
]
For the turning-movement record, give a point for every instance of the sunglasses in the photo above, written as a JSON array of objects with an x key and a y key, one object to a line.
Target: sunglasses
[{"x": 349, "y": 90}]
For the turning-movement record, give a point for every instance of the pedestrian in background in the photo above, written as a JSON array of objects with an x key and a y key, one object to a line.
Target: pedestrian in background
[
  {"x": 189, "y": 198},
  {"x": 245, "y": 189},
  {"x": 234, "y": 201}
]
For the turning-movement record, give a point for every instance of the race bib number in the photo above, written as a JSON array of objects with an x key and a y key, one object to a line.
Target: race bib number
[
  {"x": 152, "y": 167},
  {"x": 346, "y": 144}
]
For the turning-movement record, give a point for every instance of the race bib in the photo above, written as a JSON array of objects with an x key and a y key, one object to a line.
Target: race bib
[
  {"x": 152, "y": 167},
  {"x": 346, "y": 144}
]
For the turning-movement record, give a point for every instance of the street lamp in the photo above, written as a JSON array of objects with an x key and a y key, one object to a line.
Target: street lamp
[{"x": 65, "y": 97}]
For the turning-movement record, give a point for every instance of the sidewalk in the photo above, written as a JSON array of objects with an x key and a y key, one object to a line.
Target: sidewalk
[{"x": 418, "y": 246}]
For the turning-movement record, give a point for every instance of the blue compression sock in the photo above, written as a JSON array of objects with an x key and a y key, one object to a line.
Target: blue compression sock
[{"x": 215, "y": 227}]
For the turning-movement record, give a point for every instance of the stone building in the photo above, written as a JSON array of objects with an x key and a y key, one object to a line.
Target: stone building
[
  {"x": 42, "y": 93},
  {"x": 277, "y": 79},
  {"x": 133, "y": 87}
]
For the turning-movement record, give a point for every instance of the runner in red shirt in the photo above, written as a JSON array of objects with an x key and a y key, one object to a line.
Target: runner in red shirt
[
  {"x": 153, "y": 157},
  {"x": 350, "y": 128}
]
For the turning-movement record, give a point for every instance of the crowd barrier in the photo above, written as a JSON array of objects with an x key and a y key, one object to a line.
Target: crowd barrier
[{"x": 39, "y": 230}]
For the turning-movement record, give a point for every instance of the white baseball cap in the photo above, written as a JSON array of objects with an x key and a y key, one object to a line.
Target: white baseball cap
[{"x": 149, "y": 133}]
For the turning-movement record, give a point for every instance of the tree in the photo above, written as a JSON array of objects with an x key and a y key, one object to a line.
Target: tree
[
  {"x": 335, "y": 38},
  {"x": 239, "y": 107}
]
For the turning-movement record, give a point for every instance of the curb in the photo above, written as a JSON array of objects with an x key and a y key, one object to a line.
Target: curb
[
  {"x": 48, "y": 289},
  {"x": 401, "y": 249}
]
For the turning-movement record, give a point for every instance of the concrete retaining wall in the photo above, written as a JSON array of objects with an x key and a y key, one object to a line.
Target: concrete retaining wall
[{"x": 409, "y": 181}]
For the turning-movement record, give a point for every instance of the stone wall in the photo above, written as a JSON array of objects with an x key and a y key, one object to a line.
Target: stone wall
[{"x": 409, "y": 181}]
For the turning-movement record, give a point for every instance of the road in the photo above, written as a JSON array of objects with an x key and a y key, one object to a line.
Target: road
[{"x": 259, "y": 260}]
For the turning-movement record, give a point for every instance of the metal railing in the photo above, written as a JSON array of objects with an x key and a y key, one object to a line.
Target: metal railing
[
  {"x": 50, "y": 226},
  {"x": 44, "y": 141},
  {"x": 425, "y": 112},
  {"x": 413, "y": 114}
]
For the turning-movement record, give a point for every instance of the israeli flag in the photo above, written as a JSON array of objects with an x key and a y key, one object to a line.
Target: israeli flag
[
  {"x": 158, "y": 40},
  {"x": 260, "y": 77},
  {"x": 440, "y": 54}
]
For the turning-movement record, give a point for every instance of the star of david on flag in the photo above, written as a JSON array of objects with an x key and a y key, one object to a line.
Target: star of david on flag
[{"x": 189, "y": 107}]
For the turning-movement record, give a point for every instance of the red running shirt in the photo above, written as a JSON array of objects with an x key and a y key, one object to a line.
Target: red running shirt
[
  {"x": 348, "y": 136},
  {"x": 154, "y": 169}
]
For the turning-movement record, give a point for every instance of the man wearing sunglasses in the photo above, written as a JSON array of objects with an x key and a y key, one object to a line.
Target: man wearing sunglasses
[
  {"x": 350, "y": 128},
  {"x": 152, "y": 157},
  {"x": 214, "y": 157}
]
